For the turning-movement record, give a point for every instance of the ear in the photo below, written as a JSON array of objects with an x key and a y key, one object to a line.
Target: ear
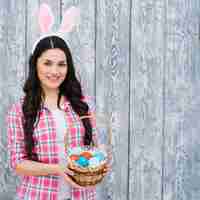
[
  {"x": 45, "y": 18},
  {"x": 71, "y": 18}
]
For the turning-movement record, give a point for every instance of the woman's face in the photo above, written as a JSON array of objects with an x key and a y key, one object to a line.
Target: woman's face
[{"x": 51, "y": 69}]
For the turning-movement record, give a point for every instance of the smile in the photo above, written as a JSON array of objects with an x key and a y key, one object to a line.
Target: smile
[{"x": 53, "y": 78}]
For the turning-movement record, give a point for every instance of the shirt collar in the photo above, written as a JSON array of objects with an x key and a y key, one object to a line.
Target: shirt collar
[{"x": 64, "y": 106}]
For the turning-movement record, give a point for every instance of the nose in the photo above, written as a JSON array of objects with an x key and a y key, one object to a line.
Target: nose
[{"x": 54, "y": 70}]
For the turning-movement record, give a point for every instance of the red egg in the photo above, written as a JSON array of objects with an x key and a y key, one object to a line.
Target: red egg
[
  {"x": 86, "y": 154},
  {"x": 74, "y": 157}
]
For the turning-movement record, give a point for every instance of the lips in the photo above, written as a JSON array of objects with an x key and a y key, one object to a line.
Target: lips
[{"x": 53, "y": 78}]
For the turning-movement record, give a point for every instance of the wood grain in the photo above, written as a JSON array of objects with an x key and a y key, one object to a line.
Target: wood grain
[
  {"x": 112, "y": 87},
  {"x": 181, "y": 166},
  {"x": 146, "y": 104},
  {"x": 12, "y": 56}
]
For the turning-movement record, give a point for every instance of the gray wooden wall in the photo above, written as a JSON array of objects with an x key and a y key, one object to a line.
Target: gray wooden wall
[{"x": 140, "y": 58}]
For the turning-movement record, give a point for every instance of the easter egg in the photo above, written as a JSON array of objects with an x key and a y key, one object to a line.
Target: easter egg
[
  {"x": 86, "y": 154},
  {"x": 100, "y": 156},
  {"x": 82, "y": 161},
  {"x": 74, "y": 157},
  {"x": 93, "y": 162}
]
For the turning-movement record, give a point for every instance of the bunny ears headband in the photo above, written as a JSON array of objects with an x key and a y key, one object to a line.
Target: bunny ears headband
[{"x": 70, "y": 19}]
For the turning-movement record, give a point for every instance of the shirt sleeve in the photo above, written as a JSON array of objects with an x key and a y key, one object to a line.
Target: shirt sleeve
[{"x": 15, "y": 136}]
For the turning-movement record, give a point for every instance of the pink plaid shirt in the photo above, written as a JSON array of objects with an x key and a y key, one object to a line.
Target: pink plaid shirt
[{"x": 46, "y": 147}]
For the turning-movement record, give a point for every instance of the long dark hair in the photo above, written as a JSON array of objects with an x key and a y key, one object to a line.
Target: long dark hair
[{"x": 70, "y": 88}]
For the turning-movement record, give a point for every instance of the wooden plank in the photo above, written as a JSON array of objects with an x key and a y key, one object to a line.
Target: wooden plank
[
  {"x": 112, "y": 87},
  {"x": 181, "y": 172},
  {"x": 12, "y": 56},
  {"x": 3, "y": 167},
  {"x": 146, "y": 105},
  {"x": 82, "y": 43}
]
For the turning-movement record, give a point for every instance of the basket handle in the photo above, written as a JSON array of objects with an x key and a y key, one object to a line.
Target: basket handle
[
  {"x": 109, "y": 129},
  {"x": 67, "y": 130},
  {"x": 84, "y": 117}
]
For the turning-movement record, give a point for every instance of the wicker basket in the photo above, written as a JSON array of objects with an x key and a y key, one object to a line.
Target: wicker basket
[{"x": 87, "y": 176}]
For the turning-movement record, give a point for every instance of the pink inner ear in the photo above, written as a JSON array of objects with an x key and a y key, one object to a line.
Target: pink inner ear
[
  {"x": 70, "y": 18},
  {"x": 46, "y": 18}
]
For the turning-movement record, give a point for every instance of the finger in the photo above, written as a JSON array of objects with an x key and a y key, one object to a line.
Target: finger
[
  {"x": 107, "y": 170},
  {"x": 69, "y": 172},
  {"x": 71, "y": 182},
  {"x": 109, "y": 165},
  {"x": 105, "y": 173},
  {"x": 109, "y": 161}
]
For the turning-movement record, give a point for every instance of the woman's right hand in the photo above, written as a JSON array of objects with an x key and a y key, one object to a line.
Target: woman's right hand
[{"x": 66, "y": 173}]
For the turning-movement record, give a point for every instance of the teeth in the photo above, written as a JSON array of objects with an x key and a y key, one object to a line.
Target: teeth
[{"x": 53, "y": 78}]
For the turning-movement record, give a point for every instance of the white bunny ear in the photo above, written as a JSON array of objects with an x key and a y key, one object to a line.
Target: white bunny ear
[
  {"x": 45, "y": 18},
  {"x": 71, "y": 18}
]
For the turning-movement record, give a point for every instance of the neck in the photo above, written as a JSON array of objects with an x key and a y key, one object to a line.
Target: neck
[
  {"x": 52, "y": 94},
  {"x": 51, "y": 98}
]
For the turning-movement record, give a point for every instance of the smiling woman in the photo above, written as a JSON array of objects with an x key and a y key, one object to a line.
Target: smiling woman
[
  {"x": 52, "y": 69},
  {"x": 37, "y": 125}
]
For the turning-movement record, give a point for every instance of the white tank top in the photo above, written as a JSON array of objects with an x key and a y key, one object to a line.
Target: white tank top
[{"x": 61, "y": 127}]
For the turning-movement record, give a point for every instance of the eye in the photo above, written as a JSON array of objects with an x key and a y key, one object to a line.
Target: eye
[
  {"x": 47, "y": 63},
  {"x": 62, "y": 64}
]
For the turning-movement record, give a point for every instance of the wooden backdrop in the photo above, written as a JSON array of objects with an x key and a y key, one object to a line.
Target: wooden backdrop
[{"x": 140, "y": 59}]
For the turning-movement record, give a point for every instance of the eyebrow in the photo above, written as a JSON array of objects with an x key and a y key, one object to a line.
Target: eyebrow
[{"x": 61, "y": 61}]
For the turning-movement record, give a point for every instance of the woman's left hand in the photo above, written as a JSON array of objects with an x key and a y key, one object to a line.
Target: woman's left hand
[{"x": 109, "y": 159}]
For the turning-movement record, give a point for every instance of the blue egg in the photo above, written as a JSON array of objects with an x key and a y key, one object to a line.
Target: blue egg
[
  {"x": 82, "y": 161},
  {"x": 100, "y": 156}
]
